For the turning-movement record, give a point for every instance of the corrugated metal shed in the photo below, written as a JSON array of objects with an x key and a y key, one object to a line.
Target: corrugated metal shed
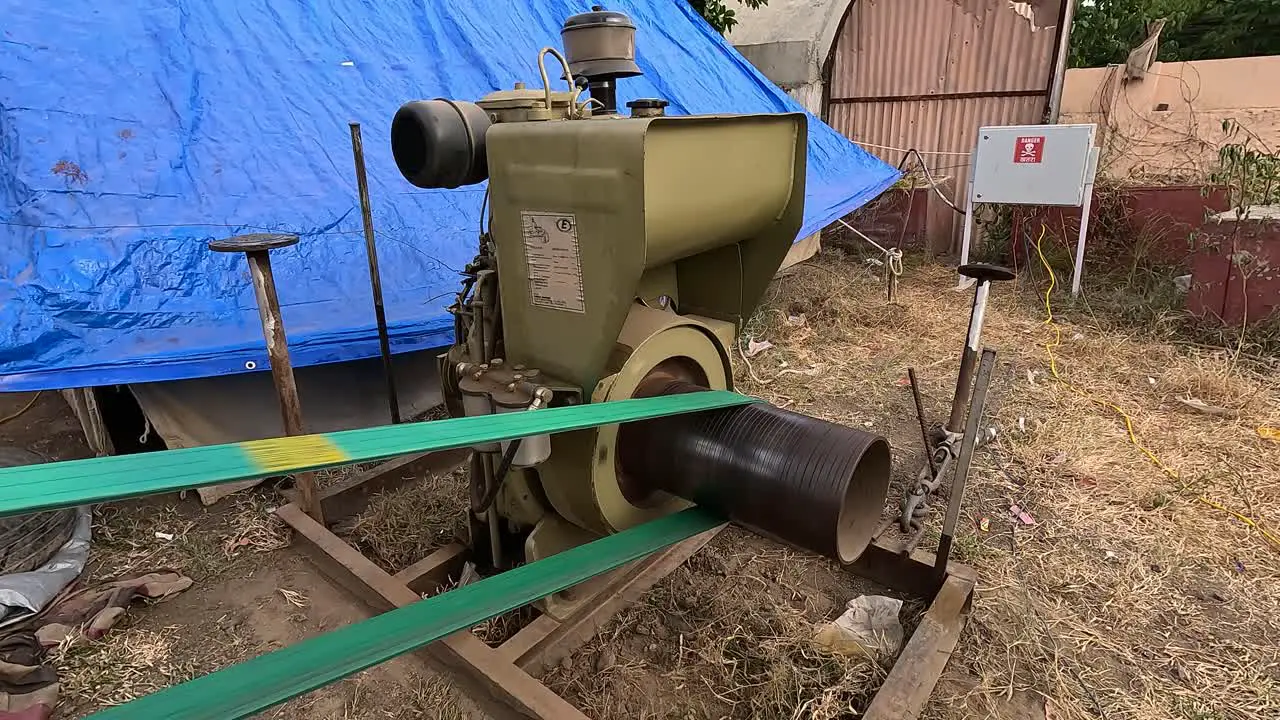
[{"x": 926, "y": 74}]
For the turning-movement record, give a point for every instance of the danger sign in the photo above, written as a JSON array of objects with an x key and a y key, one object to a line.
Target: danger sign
[{"x": 1029, "y": 149}]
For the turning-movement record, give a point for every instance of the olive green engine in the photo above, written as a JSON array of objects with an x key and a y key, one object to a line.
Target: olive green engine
[
  {"x": 615, "y": 250},
  {"x": 623, "y": 244}
]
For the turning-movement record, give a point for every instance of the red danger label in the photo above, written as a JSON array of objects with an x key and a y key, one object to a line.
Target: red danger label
[{"x": 1029, "y": 149}]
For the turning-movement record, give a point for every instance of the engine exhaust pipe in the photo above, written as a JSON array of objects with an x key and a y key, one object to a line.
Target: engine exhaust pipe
[{"x": 807, "y": 482}]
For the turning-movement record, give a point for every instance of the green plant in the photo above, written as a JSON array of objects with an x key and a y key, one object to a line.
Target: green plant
[
  {"x": 1104, "y": 31},
  {"x": 993, "y": 228},
  {"x": 719, "y": 15},
  {"x": 1248, "y": 167}
]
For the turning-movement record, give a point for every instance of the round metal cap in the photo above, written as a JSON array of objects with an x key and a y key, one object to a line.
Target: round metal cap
[
  {"x": 648, "y": 104},
  {"x": 598, "y": 17},
  {"x": 647, "y": 107},
  {"x": 984, "y": 271},
  {"x": 253, "y": 242}
]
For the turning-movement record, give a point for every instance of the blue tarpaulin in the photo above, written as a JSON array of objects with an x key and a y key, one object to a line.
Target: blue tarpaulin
[{"x": 133, "y": 132}]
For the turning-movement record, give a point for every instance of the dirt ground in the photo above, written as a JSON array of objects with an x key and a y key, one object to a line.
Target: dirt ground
[
  {"x": 252, "y": 594},
  {"x": 1143, "y": 587}
]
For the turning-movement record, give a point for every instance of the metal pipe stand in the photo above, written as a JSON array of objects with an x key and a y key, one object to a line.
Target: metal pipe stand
[{"x": 257, "y": 248}]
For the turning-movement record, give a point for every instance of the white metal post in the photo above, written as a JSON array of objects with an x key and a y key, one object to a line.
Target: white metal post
[
  {"x": 1078, "y": 271},
  {"x": 968, "y": 229},
  {"x": 1091, "y": 174}
]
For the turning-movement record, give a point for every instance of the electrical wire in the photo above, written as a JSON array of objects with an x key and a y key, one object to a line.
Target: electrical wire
[
  {"x": 30, "y": 404},
  {"x": 922, "y": 152},
  {"x": 484, "y": 206},
  {"x": 933, "y": 184},
  {"x": 1049, "y": 347}
]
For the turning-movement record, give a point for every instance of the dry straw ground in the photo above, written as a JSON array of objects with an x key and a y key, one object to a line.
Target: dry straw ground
[
  {"x": 252, "y": 595},
  {"x": 1136, "y": 595}
]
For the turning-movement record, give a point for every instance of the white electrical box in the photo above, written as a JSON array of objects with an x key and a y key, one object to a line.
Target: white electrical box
[{"x": 1033, "y": 164}]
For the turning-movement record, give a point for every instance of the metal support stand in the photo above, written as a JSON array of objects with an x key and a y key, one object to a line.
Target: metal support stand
[
  {"x": 503, "y": 680},
  {"x": 966, "y": 240},
  {"x": 984, "y": 275},
  {"x": 257, "y": 248},
  {"x": 1032, "y": 177},
  {"x": 375, "y": 278},
  {"x": 945, "y": 453},
  {"x": 1077, "y": 272},
  {"x": 972, "y": 430}
]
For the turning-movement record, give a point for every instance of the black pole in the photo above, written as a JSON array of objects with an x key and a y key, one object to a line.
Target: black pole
[
  {"x": 606, "y": 93},
  {"x": 375, "y": 278},
  {"x": 924, "y": 429}
]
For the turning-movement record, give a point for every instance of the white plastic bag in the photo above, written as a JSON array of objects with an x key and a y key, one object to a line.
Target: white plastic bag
[{"x": 869, "y": 626}]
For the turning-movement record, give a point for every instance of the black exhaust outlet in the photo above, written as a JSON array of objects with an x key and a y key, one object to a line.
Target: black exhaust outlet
[{"x": 807, "y": 482}]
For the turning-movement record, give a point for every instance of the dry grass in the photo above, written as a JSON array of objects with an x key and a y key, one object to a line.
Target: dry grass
[
  {"x": 141, "y": 536},
  {"x": 728, "y": 635},
  {"x": 137, "y": 658},
  {"x": 412, "y": 696},
  {"x": 435, "y": 698},
  {"x": 132, "y": 662},
  {"x": 248, "y": 599},
  {"x": 1132, "y": 596},
  {"x": 404, "y": 525},
  {"x": 332, "y": 476},
  {"x": 502, "y": 628},
  {"x": 129, "y": 663}
]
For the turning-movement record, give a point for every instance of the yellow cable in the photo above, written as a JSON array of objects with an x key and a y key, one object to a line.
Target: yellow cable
[
  {"x": 1128, "y": 421},
  {"x": 25, "y": 408}
]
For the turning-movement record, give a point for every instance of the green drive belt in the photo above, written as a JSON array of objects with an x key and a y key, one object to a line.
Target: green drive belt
[
  {"x": 78, "y": 482},
  {"x": 243, "y": 690}
]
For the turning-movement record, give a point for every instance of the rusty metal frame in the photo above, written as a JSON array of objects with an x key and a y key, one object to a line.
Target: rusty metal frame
[
  {"x": 503, "y": 681},
  {"x": 969, "y": 95}
]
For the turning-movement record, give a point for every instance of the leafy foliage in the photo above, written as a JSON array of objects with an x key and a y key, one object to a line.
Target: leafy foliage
[
  {"x": 1105, "y": 31},
  {"x": 718, "y": 13},
  {"x": 1230, "y": 28},
  {"x": 1248, "y": 168}
]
